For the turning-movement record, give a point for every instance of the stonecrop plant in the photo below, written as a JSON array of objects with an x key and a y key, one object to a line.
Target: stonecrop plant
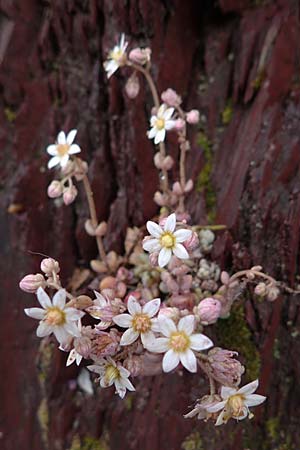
[{"x": 156, "y": 301}]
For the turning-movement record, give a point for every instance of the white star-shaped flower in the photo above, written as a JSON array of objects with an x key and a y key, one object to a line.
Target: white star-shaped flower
[
  {"x": 116, "y": 57},
  {"x": 179, "y": 343},
  {"x": 62, "y": 150},
  {"x": 166, "y": 241},
  {"x": 236, "y": 402},
  {"x": 112, "y": 373},
  {"x": 139, "y": 321},
  {"x": 55, "y": 317},
  {"x": 160, "y": 123}
]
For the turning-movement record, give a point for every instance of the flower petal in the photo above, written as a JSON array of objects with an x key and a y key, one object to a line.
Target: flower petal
[
  {"x": 170, "y": 124},
  {"x": 167, "y": 326},
  {"x": 61, "y": 334},
  {"x": 168, "y": 113},
  {"x": 152, "y": 133},
  {"x": 170, "y": 223},
  {"x": 216, "y": 407},
  {"x": 74, "y": 149},
  {"x": 73, "y": 314},
  {"x": 227, "y": 392},
  {"x": 127, "y": 384},
  {"x": 159, "y": 345},
  {"x": 71, "y": 328},
  {"x": 160, "y": 136},
  {"x": 133, "y": 306},
  {"x": 182, "y": 235},
  {"x": 254, "y": 399},
  {"x": 43, "y": 329},
  {"x": 170, "y": 361},
  {"x": 180, "y": 251},
  {"x": 59, "y": 299},
  {"x": 43, "y": 298},
  {"x": 249, "y": 388},
  {"x": 95, "y": 368},
  {"x": 120, "y": 389},
  {"x": 64, "y": 160},
  {"x": 154, "y": 229},
  {"x": 35, "y": 313},
  {"x": 53, "y": 162},
  {"x": 187, "y": 324},
  {"x": 71, "y": 357},
  {"x": 71, "y": 136},
  {"x": 164, "y": 257},
  {"x": 188, "y": 360},
  {"x": 222, "y": 418},
  {"x": 129, "y": 337},
  {"x": 61, "y": 138},
  {"x": 152, "y": 307},
  {"x": 52, "y": 150},
  {"x": 123, "y": 320},
  {"x": 200, "y": 342},
  {"x": 151, "y": 245}
]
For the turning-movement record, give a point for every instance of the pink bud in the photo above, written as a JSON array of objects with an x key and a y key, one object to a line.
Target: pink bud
[
  {"x": 158, "y": 160},
  {"x": 273, "y": 293},
  {"x": 89, "y": 227},
  {"x": 160, "y": 199},
  {"x": 70, "y": 194},
  {"x": 171, "y": 98},
  {"x": 83, "y": 346},
  {"x": 225, "y": 277},
  {"x": 167, "y": 163},
  {"x": 188, "y": 186},
  {"x": 261, "y": 289},
  {"x": 101, "y": 229},
  {"x": 31, "y": 283},
  {"x": 140, "y": 55},
  {"x": 153, "y": 259},
  {"x": 49, "y": 265},
  {"x": 177, "y": 189},
  {"x": 192, "y": 116},
  {"x": 132, "y": 86},
  {"x": 179, "y": 124},
  {"x": 209, "y": 310},
  {"x": 54, "y": 189}
]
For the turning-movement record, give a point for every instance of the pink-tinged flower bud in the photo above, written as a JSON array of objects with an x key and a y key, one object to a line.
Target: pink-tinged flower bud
[
  {"x": 273, "y": 293},
  {"x": 188, "y": 186},
  {"x": 134, "y": 365},
  {"x": 49, "y": 265},
  {"x": 69, "y": 195},
  {"x": 158, "y": 160},
  {"x": 224, "y": 367},
  {"x": 104, "y": 344},
  {"x": 192, "y": 242},
  {"x": 192, "y": 116},
  {"x": 209, "y": 310},
  {"x": 54, "y": 189},
  {"x": 83, "y": 346},
  {"x": 167, "y": 163},
  {"x": 31, "y": 283},
  {"x": 225, "y": 277},
  {"x": 140, "y": 55},
  {"x": 89, "y": 227},
  {"x": 171, "y": 98},
  {"x": 153, "y": 259},
  {"x": 261, "y": 289},
  {"x": 179, "y": 124},
  {"x": 123, "y": 274},
  {"x": 184, "y": 301},
  {"x": 121, "y": 289},
  {"x": 101, "y": 229},
  {"x": 177, "y": 189},
  {"x": 160, "y": 199},
  {"x": 132, "y": 86},
  {"x": 108, "y": 283}
]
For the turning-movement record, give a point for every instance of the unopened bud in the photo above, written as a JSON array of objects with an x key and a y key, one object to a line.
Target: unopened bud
[
  {"x": 108, "y": 283},
  {"x": 273, "y": 293},
  {"x": 225, "y": 277},
  {"x": 132, "y": 86},
  {"x": 83, "y": 301},
  {"x": 89, "y": 227},
  {"x": 98, "y": 266},
  {"x": 188, "y": 186},
  {"x": 261, "y": 289},
  {"x": 167, "y": 163},
  {"x": 192, "y": 242},
  {"x": 160, "y": 199},
  {"x": 140, "y": 55},
  {"x": 158, "y": 160},
  {"x": 177, "y": 189},
  {"x": 171, "y": 98},
  {"x": 49, "y": 265},
  {"x": 31, "y": 283},
  {"x": 54, "y": 189},
  {"x": 193, "y": 116},
  {"x": 209, "y": 310},
  {"x": 101, "y": 229},
  {"x": 69, "y": 195},
  {"x": 179, "y": 124}
]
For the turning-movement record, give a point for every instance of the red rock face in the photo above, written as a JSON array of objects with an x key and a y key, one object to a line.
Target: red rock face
[{"x": 239, "y": 64}]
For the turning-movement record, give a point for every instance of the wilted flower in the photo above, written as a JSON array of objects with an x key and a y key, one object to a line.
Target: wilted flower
[
  {"x": 104, "y": 344},
  {"x": 105, "y": 309},
  {"x": 116, "y": 57},
  {"x": 160, "y": 123},
  {"x": 200, "y": 409},
  {"x": 61, "y": 151},
  {"x": 223, "y": 367}
]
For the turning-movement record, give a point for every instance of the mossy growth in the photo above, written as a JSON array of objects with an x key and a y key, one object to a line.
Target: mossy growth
[
  {"x": 204, "y": 182},
  {"x": 43, "y": 418},
  {"x": 193, "y": 442},
  {"x": 10, "y": 114},
  {"x": 234, "y": 334},
  {"x": 227, "y": 113},
  {"x": 89, "y": 443}
]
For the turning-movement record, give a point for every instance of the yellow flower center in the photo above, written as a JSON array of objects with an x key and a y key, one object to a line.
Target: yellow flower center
[
  {"x": 62, "y": 149},
  {"x": 117, "y": 55},
  {"x": 160, "y": 124},
  {"x": 167, "y": 240},
  {"x": 235, "y": 405},
  {"x": 141, "y": 323},
  {"x": 179, "y": 341},
  {"x": 55, "y": 316},
  {"x": 111, "y": 373}
]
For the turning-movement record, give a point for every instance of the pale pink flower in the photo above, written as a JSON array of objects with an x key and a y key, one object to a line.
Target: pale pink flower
[
  {"x": 62, "y": 150},
  {"x": 179, "y": 343},
  {"x": 236, "y": 402},
  {"x": 166, "y": 240},
  {"x": 139, "y": 321},
  {"x": 112, "y": 373},
  {"x": 116, "y": 57},
  {"x": 55, "y": 317},
  {"x": 193, "y": 116},
  {"x": 160, "y": 123},
  {"x": 171, "y": 98},
  {"x": 105, "y": 309}
]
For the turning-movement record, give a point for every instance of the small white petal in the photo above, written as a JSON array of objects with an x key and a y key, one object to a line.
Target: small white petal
[
  {"x": 182, "y": 235},
  {"x": 216, "y": 407},
  {"x": 71, "y": 357},
  {"x": 243, "y": 414},
  {"x": 123, "y": 320},
  {"x": 43, "y": 330},
  {"x": 152, "y": 245},
  {"x": 64, "y": 160},
  {"x": 164, "y": 257},
  {"x": 160, "y": 136},
  {"x": 168, "y": 113},
  {"x": 227, "y": 392},
  {"x": 95, "y": 368},
  {"x": 100, "y": 300},
  {"x": 167, "y": 326},
  {"x": 155, "y": 325},
  {"x": 154, "y": 229},
  {"x": 187, "y": 324},
  {"x": 71, "y": 136},
  {"x": 133, "y": 306},
  {"x": 188, "y": 360},
  {"x": 147, "y": 338},
  {"x": 129, "y": 337},
  {"x": 152, "y": 307},
  {"x": 200, "y": 342},
  {"x": 53, "y": 162},
  {"x": 170, "y": 124},
  {"x": 84, "y": 382},
  {"x": 73, "y": 314},
  {"x": 61, "y": 334},
  {"x": 152, "y": 133},
  {"x": 170, "y": 223},
  {"x": 120, "y": 389},
  {"x": 249, "y": 388},
  {"x": 170, "y": 361},
  {"x": 43, "y": 298},
  {"x": 74, "y": 149},
  {"x": 78, "y": 359},
  {"x": 127, "y": 384},
  {"x": 59, "y": 299},
  {"x": 222, "y": 418},
  {"x": 35, "y": 313},
  {"x": 159, "y": 345},
  {"x": 52, "y": 150},
  {"x": 180, "y": 251},
  {"x": 61, "y": 138},
  {"x": 161, "y": 111},
  {"x": 124, "y": 372},
  {"x": 254, "y": 399},
  {"x": 72, "y": 329}
]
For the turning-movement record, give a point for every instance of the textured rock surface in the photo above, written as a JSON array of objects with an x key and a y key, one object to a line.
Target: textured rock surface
[{"x": 239, "y": 63}]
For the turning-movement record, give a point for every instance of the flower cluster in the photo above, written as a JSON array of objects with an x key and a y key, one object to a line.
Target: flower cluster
[{"x": 156, "y": 302}]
